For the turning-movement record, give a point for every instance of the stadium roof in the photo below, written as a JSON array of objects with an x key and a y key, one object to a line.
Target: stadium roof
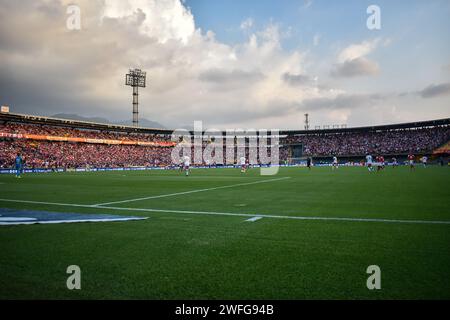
[
  {"x": 15, "y": 117},
  {"x": 408, "y": 125}
]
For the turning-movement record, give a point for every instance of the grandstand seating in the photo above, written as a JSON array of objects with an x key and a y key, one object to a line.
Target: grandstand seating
[
  {"x": 397, "y": 142},
  {"x": 51, "y": 143},
  {"x": 443, "y": 149}
]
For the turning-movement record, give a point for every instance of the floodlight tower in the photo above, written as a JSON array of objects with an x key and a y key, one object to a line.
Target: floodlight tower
[
  {"x": 135, "y": 78},
  {"x": 306, "y": 121}
]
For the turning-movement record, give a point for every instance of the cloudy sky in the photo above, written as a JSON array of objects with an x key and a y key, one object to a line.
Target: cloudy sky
[{"x": 229, "y": 63}]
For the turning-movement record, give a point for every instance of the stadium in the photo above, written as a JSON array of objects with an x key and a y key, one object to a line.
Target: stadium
[
  {"x": 51, "y": 144},
  {"x": 347, "y": 200}
]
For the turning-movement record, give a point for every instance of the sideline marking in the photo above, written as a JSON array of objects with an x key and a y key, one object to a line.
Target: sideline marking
[
  {"x": 191, "y": 191},
  {"x": 234, "y": 214}
]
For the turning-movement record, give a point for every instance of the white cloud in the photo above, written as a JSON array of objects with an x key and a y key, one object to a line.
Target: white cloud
[
  {"x": 358, "y": 50},
  {"x": 164, "y": 19},
  {"x": 352, "y": 61},
  {"x": 247, "y": 24}
]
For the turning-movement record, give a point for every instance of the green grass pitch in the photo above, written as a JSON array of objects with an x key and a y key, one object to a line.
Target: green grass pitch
[{"x": 178, "y": 253}]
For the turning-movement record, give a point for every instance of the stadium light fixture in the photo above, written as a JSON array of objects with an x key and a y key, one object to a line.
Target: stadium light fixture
[
  {"x": 306, "y": 121},
  {"x": 136, "y": 78}
]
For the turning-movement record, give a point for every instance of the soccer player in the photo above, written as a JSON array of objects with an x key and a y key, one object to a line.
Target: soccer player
[
  {"x": 411, "y": 162},
  {"x": 335, "y": 162},
  {"x": 424, "y": 161},
  {"x": 380, "y": 163},
  {"x": 369, "y": 161},
  {"x": 243, "y": 165},
  {"x": 19, "y": 165},
  {"x": 187, "y": 164},
  {"x": 394, "y": 162},
  {"x": 309, "y": 162}
]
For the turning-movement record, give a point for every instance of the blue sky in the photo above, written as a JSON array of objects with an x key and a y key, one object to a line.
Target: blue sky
[
  {"x": 337, "y": 20},
  {"x": 419, "y": 29}
]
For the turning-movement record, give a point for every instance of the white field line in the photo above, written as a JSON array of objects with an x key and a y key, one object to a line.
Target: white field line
[
  {"x": 191, "y": 191},
  {"x": 254, "y": 219},
  {"x": 233, "y": 214}
]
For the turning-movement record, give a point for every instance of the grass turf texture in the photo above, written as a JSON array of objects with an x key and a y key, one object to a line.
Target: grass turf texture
[{"x": 191, "y": 256}]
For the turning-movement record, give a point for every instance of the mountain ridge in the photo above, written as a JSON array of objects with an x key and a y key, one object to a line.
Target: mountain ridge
[{"x": 142, "y": 122}]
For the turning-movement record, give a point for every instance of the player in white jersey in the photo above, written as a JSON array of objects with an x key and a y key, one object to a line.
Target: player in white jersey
[
  {"x": 187, "y": 163},
  {"x": 394, "y": 162},
  {"x": 335, "y": 162},
  {"x": 424, "y": 161},
  {"x": 243, "y": 164},
  {"x": 369, "y": 162}
]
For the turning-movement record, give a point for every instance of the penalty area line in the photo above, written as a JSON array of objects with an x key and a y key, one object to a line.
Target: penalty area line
[
  {"x": 342, "y": 219},
  {"x": 190, "y": 191}
]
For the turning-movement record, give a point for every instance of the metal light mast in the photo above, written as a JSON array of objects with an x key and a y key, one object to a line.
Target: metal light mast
[
  {"x": 306, "y": 121},
  {"x": 135, "y": 78}
]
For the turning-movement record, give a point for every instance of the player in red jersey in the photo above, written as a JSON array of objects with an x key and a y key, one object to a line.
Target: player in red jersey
[
  {"x": 380, "y": 163},
  {"x": 411, "y": 162}
]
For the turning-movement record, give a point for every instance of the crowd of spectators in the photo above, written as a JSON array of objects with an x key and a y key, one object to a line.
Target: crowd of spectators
[
  {"x": 361, "y": 143},
  {"x": 52, "y": 154},
  {"x": 23, "y": 128},
  {"x": 46, "y": 154}
]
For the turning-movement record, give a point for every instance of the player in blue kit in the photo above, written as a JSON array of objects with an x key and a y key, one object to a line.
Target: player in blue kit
[{"x": 19, "y": 165}]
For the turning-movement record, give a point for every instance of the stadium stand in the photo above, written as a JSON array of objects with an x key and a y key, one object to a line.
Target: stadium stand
[
  {"x": 398, "y": 142},
  {"x": 443, "y": 150},
  {"x": 58, "y": 143}
]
